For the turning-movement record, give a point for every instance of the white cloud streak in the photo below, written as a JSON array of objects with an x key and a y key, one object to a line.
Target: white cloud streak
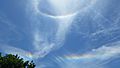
[
  {"x": 41, "y": 37},
  {"x": 97, "y": 58},
  {"x": 13, "y": 50},
  {"x": 27, "y": 55}
]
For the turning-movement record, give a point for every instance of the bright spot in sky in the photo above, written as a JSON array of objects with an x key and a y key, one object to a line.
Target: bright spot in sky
[{"x": 61, "y": 8}]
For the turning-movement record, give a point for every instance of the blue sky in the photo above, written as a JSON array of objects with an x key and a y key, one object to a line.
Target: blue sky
[{"x": 62, "y": 33}]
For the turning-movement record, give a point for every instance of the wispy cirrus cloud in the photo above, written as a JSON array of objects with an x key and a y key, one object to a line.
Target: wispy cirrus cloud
[
  {"x": 96, "y": 58},
  {"x": 52, "y": 33}
]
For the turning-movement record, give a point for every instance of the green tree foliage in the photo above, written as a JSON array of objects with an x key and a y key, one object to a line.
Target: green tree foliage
[{"x": 14, "y": 61}]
